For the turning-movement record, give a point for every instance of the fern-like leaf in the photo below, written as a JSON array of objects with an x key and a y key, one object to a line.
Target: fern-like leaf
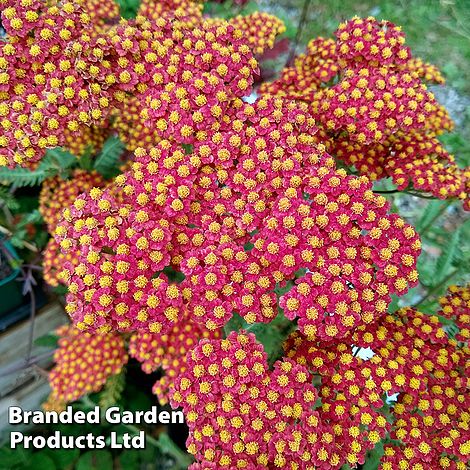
[
  {"x": 447, "y": 257},
  {"x": 113, "y": 389},
  {"x": 56, "y": 161},
  {"x": 107, "y": 162},
  {"x": 8, "y": 199}
]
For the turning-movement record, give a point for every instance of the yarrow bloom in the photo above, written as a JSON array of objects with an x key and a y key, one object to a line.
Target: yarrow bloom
[
  {"x": 350, "y": 392},
  {"x": 366, "y": 92},
  {"x": 243, "y": 415},
  {"x": 87, "y": 140},
  {"x": 57, "y": 194},
  {"x": 53, "y": 77},
  {"x": 83, "y": 363},
  {"x": 168, "y": 352},
  {"x": 54, "y": 261},
  {"x": 429, "y": 370},
  {"x": 256, "y": 204},
  {"x": 413, "y": 357},
  {"x": 259, "y": 29}
]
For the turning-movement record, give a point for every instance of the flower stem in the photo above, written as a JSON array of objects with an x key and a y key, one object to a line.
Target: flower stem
[
  {"x": 437, "y": 287},
  {"x": 298, "y": 35}
]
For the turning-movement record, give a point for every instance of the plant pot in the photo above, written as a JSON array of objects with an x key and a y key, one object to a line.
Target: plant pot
[{"x": 11, "y": 295}]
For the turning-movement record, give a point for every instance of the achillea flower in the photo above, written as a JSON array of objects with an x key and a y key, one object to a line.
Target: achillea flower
[
  {"x": 69, "y": 80},
  {"x": 351, "y": 397},
  {"x": 84, "y": 362},
  {"x": 259, "y": 30},
  {"x": 361, "y": 42},
  {"x": 427, "y": 72},
  {"x": 58, "y": 194},
  {"x": 368, "y": 96},
  {"x": 428, "y": 369},
  {"x": 131, "y": 127},
  {"x": 88, "y": 139},
  {"x": 168, "y": 352},
  {"x": 241, "y": 414},
  {"x": 373, "y": 103},
  {"x": 260, "y": 179},
  {"x": 154, "y": 10},
  {"x": 54, "y": 261},
  {"x": 413, "y": 158},
  {"x": 456, "y": 307}
]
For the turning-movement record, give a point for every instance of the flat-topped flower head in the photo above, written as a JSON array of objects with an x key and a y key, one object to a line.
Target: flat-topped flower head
[
  {"x": 58, "y": 194},
  {"x": 368, "y": 41},
  {"x": 168, "y": 352},
  {"x": 243, "y": 415},
  {"x": 84, "y": 362}
]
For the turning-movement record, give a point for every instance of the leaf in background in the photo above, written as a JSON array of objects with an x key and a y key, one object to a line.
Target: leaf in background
[
  {"x": 56, "y": 161},
  {"x": 107, "y": 162},
  {"x": 433, "y": 209},
  {"x": 445, "y": 260},
  {"x": 40, "y": 461},
  {"x": 112, "y": 390},
  {"x": 373, "y": 457},
  {"x": 129, "y": 8},
  {"x": 7, "y": 199},
  {"x": 95, "y": 460},
  {"x": 63, "y": 458},
  {"x": 236, "y": 323},
  {"x": 24, "y": 177},
  {"x": 48, "y": 340}
]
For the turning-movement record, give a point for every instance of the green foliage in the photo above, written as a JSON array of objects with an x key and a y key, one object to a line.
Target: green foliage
[
  {"x": 95, "y": 460},
  {"x": 128, "y": 8},
  {"x": 48, "y": 340},
  {"x": 7, "y": 199},
  {"x": 64, "y": 458},
  {"x": 373, "y": 457},
  {"x": 107, "y": 161},
  {"x": 56, "y": 162},
  {"x": 113, "y": 389}
]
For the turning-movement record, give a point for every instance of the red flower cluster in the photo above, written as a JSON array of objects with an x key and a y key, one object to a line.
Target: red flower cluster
[
  {"x": 418, "y": 159},
  {"x": 53, "y": 76},
  {"x": 259, "y": 30},
  {"x": 54, "y": 261},
  {"x": 455, "y": 306},
  {"x": 187, "y": 13},
  {"x": 378, "y": 116},
  {"x": 57, "y": 194},
  {"x": 258, "y": 179},
  {"x": 412, "y": 356},
  {"x": 84, "y": 362},
  {"x": 168, "y": 352},
  {"x": 373, "y": 103},
  {"x": 351, "y": 396},
  {"x": 131, "y": 128},
  {"x": 242, "y": 415},
  {"x": 368, "y": 42},
  {"x": 430, "y": 372},
  {"x": 88, "y": 139}
]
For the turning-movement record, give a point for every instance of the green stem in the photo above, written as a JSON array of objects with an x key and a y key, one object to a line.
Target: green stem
[
  {"x": 405, "y": 191},
  {"x": 298, "y": 35},
  {"x": 429, "y": 224},
  {"x": 437, "y": 287}
]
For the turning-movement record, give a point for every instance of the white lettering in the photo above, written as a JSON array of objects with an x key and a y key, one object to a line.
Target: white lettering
[
  {"x": 15, "y": 438},
  {"x": 15, "y": 415},
  {"x": 112, "y": 415}
]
